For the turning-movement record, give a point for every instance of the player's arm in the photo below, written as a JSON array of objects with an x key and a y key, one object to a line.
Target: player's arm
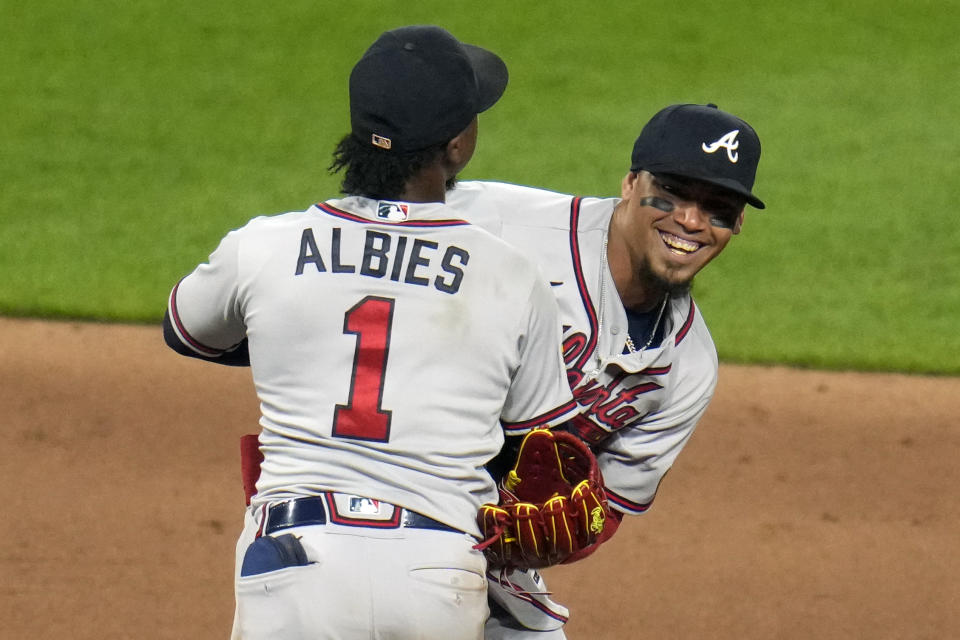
[
  {"x": 203, "y": 318},
  {"x": 635, "y": 459},
  {"x": 635, "y": 462},
  {"x": 539, "y": 394}
]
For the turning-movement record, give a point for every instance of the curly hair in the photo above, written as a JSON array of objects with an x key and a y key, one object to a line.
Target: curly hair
[{"x": 375, "y": 173}]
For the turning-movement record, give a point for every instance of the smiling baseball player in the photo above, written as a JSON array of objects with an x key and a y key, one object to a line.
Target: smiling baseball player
[
  {"x": 638, "y": 353},
  {"x": 392, "y": 345}
]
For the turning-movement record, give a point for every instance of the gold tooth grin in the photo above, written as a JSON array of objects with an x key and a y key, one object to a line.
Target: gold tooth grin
[{"x": 679, "y": 244}]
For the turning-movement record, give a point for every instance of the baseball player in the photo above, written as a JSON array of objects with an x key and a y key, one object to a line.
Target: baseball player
[
  {"x": 392, "y": 345},
  {"x": 638, "y": 354}
]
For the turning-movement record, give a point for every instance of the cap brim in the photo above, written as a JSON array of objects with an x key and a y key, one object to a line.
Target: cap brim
[
  {"x": 729, "y": 185},
  {"x": 737, "y": 188},
  {"x": 491, "y": 73}
]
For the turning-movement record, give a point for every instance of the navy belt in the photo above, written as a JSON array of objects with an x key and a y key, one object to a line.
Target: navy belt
[{"x": 321, "y": 509}]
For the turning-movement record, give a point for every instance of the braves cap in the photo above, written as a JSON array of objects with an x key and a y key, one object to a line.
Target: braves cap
[
  {"x": 700, "y": 142},
  {"x": 418, "y": 86}
]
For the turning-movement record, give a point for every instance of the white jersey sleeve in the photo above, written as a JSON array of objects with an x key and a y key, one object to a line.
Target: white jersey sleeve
[
  {"x": 534, "y": 387},
  {"x": 211, "y": 310}
]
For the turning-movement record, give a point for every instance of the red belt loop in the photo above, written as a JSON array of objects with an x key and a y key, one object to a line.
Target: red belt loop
[{"x": 263, "y": 522}]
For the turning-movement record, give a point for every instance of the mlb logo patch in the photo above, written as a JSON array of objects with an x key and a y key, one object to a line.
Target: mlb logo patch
[
  {"x": 392, "y": 211},
  {"x": 366, "y": 506}
]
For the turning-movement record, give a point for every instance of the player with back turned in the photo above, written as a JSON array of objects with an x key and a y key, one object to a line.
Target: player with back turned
[
  {"x": 392, "y": 345},
  {"x": 639, "y": 357}
]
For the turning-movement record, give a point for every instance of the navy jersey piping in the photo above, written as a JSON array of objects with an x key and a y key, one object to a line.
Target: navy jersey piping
[{"x": 582, "y": 284}]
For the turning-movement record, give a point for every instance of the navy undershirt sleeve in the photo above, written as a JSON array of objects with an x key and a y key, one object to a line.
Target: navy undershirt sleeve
[{"x": 239, "y": 356}]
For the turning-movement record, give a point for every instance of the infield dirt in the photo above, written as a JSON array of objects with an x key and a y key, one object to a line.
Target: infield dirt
[{"x": 807, "y": 504}]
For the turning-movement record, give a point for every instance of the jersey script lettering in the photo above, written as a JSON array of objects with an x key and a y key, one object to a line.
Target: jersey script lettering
[
  {"x": 387, "y": 255},
  {"x": 614, "y": 404}
]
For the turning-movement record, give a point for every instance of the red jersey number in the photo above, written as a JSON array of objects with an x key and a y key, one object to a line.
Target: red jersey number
[{"x": 362, "y": 417}]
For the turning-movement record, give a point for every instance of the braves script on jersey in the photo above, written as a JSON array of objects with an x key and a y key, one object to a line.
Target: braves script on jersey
[
  {"x": 387, "y": 342},
  {"x": 642, "y": 407}
]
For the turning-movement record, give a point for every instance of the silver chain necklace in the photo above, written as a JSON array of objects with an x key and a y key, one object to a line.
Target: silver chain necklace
[
  {"x": 603, "y": 296},
  {"x": 653, "y": 330}
]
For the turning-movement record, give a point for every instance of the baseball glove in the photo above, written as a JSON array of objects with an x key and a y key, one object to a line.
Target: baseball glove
[{"x": 552, "y": 504}]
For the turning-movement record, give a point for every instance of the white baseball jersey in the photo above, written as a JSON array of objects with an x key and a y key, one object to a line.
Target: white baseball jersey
[
  {"x": 391, "y": 344},
  {"x": 642, "y": 407}
]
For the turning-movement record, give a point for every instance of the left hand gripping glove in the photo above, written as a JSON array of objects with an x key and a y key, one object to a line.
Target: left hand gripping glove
[{"x": 552, "y": 504}]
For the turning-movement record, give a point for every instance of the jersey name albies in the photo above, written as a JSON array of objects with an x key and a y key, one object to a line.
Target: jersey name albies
[{"x": 398, "y": 257}]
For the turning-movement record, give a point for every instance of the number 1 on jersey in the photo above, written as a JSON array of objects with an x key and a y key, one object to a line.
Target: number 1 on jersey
[{"x": 370, "y": 320}]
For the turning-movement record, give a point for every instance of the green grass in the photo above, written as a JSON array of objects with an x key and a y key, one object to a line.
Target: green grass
[{"x": 133, "y": 135}]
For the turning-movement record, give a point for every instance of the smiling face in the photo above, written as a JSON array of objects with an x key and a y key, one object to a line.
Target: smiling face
[{"x": 665, "y": 230}]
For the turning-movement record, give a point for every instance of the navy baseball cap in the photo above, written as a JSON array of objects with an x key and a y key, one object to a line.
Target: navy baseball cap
[
  {"x": 418, "y": 86},
  {"x": 700, "y": 142}
]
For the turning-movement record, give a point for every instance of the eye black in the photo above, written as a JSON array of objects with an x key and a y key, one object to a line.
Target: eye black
[
  {"x": 673, "y": 190},
  {"x": 726, "y": 220}
]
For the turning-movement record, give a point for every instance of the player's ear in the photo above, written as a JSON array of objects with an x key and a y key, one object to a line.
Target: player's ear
[
  {"x": 629, "y": 184},
  {"x": 460, "y": 149},
  {"x": 454, "y": 150},
  {"x": 739, "y": 224}
]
